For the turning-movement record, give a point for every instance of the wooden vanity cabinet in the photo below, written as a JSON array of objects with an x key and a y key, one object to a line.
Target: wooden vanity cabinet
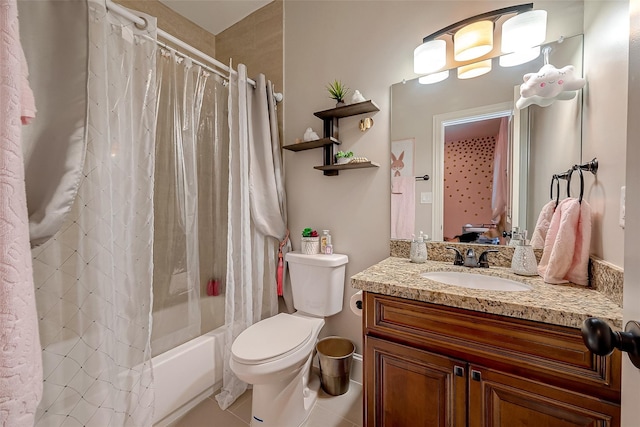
[{"x": 430, "y": 365}]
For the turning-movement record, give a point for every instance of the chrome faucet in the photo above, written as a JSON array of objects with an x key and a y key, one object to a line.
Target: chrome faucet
[{"x": 470, "y": 259}]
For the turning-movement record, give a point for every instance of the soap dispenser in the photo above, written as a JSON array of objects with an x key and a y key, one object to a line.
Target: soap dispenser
[
  {"x": 515, "y": 237},
  {"x": 524, "y": 261},
  {"x": 419, "y": 250}
]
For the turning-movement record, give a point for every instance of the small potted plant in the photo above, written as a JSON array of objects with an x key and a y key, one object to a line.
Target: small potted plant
[
  {"x": 343, "y": 157},
  {"x": 338, "y": 91},
  {"x": 310, "y": 242}
]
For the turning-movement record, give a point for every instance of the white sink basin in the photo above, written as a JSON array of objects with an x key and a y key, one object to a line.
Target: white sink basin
[{"x": 476, "y": 281}]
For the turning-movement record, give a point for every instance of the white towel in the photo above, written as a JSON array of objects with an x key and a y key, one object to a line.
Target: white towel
[
  {"x": 20, "y": 354},
  {"x": 403, "y": 209},
  {"x": 565, "y": 257},
  {"x": 542, "y": 225}
]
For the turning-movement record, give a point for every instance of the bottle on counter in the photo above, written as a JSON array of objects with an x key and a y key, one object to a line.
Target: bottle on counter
[
  {"x": 524, "y": 261},
  {"x": 418, "y": 252},
  {"x": 325, "y": 240}
]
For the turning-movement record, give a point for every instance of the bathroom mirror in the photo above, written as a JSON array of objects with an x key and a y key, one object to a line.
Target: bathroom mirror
[{"x": 448, "y": 131}]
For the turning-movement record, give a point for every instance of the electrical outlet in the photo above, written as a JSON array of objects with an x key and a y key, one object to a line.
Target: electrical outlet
[
  {"x": 622, "y": 203},
  {"x": 426, "y": 197}
]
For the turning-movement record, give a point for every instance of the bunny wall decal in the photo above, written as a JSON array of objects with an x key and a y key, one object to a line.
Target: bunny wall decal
[{"x": 397, "y": 164}]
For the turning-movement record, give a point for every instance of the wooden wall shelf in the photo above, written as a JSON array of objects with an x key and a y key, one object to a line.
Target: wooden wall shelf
[
  {"x": 348, "y": 110},
  {"x": 308, "y": 145},
  {"x": 330, "y": 137},
  {"x": 359, "y": 165}
]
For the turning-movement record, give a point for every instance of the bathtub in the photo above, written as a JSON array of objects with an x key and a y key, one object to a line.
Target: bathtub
[{"x": 186, "y": 374}]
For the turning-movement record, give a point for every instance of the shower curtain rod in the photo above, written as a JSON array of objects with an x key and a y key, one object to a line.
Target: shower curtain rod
[{"x": 139, "y": 21}]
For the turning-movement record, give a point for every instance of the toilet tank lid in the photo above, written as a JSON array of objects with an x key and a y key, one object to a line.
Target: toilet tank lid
[{"x": 321, "y": 260}]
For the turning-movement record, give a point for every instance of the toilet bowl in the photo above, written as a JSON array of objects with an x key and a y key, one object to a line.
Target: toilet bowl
[
  {"x": 275, "y": 354},
  {"x": 283, "y": 392}
]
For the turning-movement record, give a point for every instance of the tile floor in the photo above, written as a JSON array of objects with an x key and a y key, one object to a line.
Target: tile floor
[{"x": 329, "y": 411}]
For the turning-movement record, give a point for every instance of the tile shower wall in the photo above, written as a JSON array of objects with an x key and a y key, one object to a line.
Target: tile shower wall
[
  {"x": 468, "y": 183},
  {"x": 258, "y": 42},
  {"x": 175, "y": 24}
]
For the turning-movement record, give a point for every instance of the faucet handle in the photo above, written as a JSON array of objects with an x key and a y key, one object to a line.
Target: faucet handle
[
  {"x": 483, "y": 261},
  {"x": 459, "y": 260}
]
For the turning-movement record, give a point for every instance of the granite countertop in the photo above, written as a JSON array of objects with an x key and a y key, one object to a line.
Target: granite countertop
[{"x": 565, "y": 305}]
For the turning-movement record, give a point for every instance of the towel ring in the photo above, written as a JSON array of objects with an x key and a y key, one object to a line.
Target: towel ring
[
  {"x": 569, "y": 173},
  {"x": 581, "y": 184},
  {"x": 557, "y": 181},
  {"x": 567, "y": 176}
]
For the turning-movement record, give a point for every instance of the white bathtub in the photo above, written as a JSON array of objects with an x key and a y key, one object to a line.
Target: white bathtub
[{"x": 186, "y": 375}]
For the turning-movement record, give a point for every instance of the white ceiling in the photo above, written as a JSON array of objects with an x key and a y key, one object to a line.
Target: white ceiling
[{"x": 215, "y": 16}]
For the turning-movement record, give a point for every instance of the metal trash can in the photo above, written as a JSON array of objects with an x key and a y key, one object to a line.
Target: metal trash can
[{"x": 335, "y": 355}]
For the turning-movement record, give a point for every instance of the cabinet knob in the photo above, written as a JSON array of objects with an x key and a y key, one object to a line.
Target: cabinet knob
[{"x": 600, "y": 339}]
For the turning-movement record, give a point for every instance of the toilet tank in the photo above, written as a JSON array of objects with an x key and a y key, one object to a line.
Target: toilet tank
[{"x": 317, "y": 282}]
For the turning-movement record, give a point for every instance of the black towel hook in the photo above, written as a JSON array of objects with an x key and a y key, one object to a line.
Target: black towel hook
[{"x": 591, "y": 166}]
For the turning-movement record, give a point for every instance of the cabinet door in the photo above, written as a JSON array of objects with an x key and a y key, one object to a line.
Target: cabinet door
[
  {"x": 406, "y": 387},
  {"x": 500, "y": 400}
]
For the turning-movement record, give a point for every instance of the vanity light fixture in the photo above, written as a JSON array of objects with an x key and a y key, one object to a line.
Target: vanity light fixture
[
  {"x": 522, "y": 36},
  {"x": 473, "y": 41},
  {"x": 474, "y": 69},
  {"x": 524, "y": 31},
  {"x": 430, "y": 56},
  {"x": 473, "y": 38},
  {"x": 433, "y": 78}
]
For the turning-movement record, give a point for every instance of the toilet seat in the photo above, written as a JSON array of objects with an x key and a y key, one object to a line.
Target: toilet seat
[{"x": 272, "y": 339}]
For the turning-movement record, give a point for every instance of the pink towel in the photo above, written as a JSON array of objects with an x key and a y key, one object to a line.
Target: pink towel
[
  {"x": 579, "y": 270},
  {"x": 565, "y": 257},
  {"x": 542, "y": 226},
  {"x": 20, "y": 355},
  {"x": 403, "y": 209}
]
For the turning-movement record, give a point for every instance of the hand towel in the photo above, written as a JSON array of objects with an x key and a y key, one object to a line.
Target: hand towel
[
  {"x": 20, "y": 355},
  {"x": 542, "y": 225},
  {"x": 403, "y": 209},
  {"x": 397, "y": 185},
  {"x": 565, "y": 256},
  {"x": 579, "y": 270}
]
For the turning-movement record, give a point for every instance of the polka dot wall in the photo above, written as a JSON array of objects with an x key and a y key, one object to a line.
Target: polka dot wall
[{"x": 468, "y": 183}]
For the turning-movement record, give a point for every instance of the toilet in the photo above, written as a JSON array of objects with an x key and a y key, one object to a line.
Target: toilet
[{"x": 275, "y": 354}]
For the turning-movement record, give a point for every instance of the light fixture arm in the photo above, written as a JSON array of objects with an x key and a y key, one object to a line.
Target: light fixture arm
[{"x": 493, "y": 15}]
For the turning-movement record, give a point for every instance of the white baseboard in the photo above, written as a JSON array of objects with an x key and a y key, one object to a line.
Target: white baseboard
[{"x": 356, "y": 368}]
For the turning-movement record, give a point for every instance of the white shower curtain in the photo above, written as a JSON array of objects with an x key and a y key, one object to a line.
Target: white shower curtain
[
  {"x": 257, "y": 215},
  {"x": 93, "y": 278}
]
